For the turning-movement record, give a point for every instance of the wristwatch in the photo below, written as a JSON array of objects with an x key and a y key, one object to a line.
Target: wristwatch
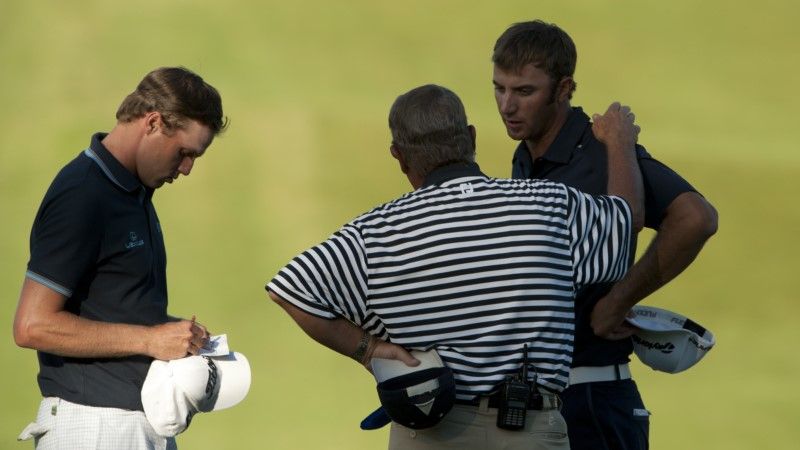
[{"x": 361, "y": 350}]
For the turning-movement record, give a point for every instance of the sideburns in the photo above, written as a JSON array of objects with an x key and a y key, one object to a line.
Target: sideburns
[{"x": 554, "y": 92}]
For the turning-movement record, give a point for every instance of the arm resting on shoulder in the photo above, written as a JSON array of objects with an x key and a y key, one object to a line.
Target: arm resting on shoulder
[
  {"x": 616, "y": 129},
  {"x": 343, "y": 336},
  {"x": 689, "y": 222},
  {"x": 42, "y": 323}
]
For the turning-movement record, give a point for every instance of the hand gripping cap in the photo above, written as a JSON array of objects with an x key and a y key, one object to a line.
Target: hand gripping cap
[{"x": 415, "y": 397}]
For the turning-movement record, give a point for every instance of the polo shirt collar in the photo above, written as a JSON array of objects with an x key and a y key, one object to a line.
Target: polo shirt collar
[
  {"x": 112, "y": 168},
  {"x": 452, "y": 171},
  {"x": 567, "y": 139}
]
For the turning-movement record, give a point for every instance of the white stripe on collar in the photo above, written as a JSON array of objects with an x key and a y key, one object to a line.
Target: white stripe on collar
[{"x": 91, "y": 154}]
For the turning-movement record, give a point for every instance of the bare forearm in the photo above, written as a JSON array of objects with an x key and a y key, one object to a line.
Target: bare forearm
[
  {"x": 617, "y": 131},
  {"x": 42, "y": 323},
  {"x": 339, "y": 335},
  {"x": 625, "y": 180},
  {"x": 689, "y": 223},
  {"x": 66, "y": 334},
  {"x": 344, "y": 337}
]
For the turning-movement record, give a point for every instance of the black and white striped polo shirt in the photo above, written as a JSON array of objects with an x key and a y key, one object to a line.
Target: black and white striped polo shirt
[{"x": 472, "y": 266}]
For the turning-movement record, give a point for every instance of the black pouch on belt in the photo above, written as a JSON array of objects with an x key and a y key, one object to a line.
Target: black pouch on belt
[{"x": 517, "y": 396}]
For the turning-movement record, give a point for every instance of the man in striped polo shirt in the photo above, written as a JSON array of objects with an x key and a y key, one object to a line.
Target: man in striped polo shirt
[{"x": 471, "y": 266}]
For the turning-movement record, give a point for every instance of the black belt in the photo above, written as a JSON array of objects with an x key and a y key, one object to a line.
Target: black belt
[{"x": 537, "y": 402}]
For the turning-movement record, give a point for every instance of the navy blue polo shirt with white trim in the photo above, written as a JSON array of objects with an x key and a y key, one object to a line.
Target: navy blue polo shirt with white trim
[
  {"x": 577, "y": 159},
  {"x": 96, "y": 240}
]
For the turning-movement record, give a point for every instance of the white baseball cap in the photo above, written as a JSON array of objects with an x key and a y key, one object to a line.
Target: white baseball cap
[
  {"x": 667, "y": 341},
  {"x": 174, "y": 391},
  {"x": 416, "y": 397},
  {"x": 386, "y": 369}
]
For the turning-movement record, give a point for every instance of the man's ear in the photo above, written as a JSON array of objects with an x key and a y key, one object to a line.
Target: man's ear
[
  {"x": 564, "y": 89},
  {"x": 152, "y": 122},
  {"x": 399, "y": 157},
  {"x": 473, "y": 134}
]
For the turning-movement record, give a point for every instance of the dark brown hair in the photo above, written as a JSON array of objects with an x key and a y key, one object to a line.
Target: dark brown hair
[
  {"x": 542, "y": 44},
  {"x": 178, "y": 94}
]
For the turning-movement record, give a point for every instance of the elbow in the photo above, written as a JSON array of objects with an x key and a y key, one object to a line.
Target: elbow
[
  {"x": 637, "y": 217},
  {"x": 693, "y": 217},
  {"x": 285, "y": 306},
  {"x": 33, "y": 331},
  {"x": 711, "y": 222},
  {"x": 24, "y": 336},
  {"x": 704, "y": 222},
  {"x": 276, "y": 298}
]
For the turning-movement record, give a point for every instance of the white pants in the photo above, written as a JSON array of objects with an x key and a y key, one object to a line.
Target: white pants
[{"x": 64, "y": 425}]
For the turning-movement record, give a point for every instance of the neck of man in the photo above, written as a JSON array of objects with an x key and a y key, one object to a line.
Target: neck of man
[
  {"x": 415, "y": 180},
  {"x": 122, "y": 142},
  {"x": 537, "y": 146}
]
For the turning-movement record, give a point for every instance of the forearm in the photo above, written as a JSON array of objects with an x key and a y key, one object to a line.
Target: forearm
[
  {"x": 42, "y": 323},
  {"x": 345, "y": 337},
  {"x": 339, "y": 335},
  {"x": 625, "y": 180},
  {"x": 617, "y": 131},
  {"x": 65, "y": 334},
  {"x": 690, "y": 221}
]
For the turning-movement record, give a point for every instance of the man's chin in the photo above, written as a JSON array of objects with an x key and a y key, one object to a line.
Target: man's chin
[
  {"x": 159, "y": 183},
  {"x": 516, "y": 135}
]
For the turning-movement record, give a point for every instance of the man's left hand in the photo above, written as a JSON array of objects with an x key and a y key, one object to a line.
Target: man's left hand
[
  {"x": 608, "y": 320},
  {"x": 387, "y": 350}
]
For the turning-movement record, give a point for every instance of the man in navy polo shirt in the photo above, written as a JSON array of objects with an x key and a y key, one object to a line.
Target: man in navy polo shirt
[
  {"x": 534, "y": 65},
  {"x": 94, "y": 300}
]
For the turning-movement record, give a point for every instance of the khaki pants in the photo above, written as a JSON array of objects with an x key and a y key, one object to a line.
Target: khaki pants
[{"x": 474, "y": 428}]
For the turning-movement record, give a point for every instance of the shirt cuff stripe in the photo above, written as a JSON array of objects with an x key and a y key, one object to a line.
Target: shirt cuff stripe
[{"x": 49, "y": 283}]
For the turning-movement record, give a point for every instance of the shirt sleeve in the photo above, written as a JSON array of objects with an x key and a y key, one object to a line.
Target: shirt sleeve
[
  {"x": 328, "y": 280},
  {"x": 600, "y": 227},
  {"x": 661, "y": 186},
  {"x": 65, "y": 239}
]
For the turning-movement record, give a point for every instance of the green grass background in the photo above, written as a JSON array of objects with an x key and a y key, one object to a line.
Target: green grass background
[{"x": 307, "y": 86}]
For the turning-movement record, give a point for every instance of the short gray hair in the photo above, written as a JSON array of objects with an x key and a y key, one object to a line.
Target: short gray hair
[{"x": 429, "y": 128}]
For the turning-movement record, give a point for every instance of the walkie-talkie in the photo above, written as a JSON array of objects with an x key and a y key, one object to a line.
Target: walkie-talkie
[{"x": 516, "y": 393}]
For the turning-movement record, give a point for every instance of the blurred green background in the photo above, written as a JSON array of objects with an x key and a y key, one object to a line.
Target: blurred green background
[{"x": 307, "y": 87}]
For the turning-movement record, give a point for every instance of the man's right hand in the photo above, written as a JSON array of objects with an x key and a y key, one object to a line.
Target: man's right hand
[
  {"x": 174, "y": 340},
  {"x": 616, "y": 128}
]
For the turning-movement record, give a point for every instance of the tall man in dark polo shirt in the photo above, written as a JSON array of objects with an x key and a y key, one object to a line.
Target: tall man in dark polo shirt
[
  {"x": 94, "y": 300},
  {"x": 534, "y": 64}
]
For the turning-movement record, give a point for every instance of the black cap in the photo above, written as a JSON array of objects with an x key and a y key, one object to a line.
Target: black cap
[{"x": 415, "y": 397}]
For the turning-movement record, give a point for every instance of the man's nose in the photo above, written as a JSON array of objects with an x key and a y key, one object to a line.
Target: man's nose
[
  {"x": 186, "y": 166},
  {"x": 506, "y": 103}
]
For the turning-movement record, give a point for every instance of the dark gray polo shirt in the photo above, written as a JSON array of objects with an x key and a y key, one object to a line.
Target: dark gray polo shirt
[
  {"x": 577, "y": 159},
  {"x": 96, "y": 240}
]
